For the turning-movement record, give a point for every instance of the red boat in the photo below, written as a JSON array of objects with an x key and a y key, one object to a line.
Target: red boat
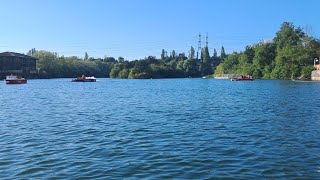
[
  {"x": 83, "y": 78},
  {"x": 15, "y": 80},
  {"x": 242, "y": 78}
]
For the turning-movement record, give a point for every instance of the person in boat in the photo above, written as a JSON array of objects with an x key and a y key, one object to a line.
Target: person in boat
[{"x": 83, "y": 77}]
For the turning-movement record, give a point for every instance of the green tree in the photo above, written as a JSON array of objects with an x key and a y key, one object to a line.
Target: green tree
[
  {"x": 215, "y": 54},
  {"x": 190, "y": 68},
  {"x": 115, "y": 70},
  {"x": 205, "y": 65},
  {"x": 163, "y": 54},
  {"x": 86, "y": 56},
  {"x": 306, "y": 71},
  {"x": 293, "y": 52},
  {"x": 134, "y": 73},
  {"x": 173, "y": 54},
  {"x": 182, "y": 56},
  {"x": 220, "y": 69},
  {"x": 222, "y": 54},
  {"x": 215, "y": 58},
  {"x": 121, "y": 59},
  {"x": 31, "y": 52},
  {"x": 180, "y": 65},
  {"x": 263, "y": 57},
  {"x": 288, "y": 35},
  {"x": 206, "y": 55},
  {"x": 249, "y": 52},
  {"x": 201, "y": 55},
  {"x": 48, "y": 63},
  {"x": 191, "y": 53},
  {"x": 124, "y": 73},
  {"x": 244, "y": 66},
  {"x": 230, "y": 64}
]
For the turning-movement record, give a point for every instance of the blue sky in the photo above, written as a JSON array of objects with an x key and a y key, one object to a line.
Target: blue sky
[{"x": 135, "y": 29}]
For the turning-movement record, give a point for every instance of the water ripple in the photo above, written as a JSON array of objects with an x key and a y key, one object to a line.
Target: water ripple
[{"x": 159, "y": 129}]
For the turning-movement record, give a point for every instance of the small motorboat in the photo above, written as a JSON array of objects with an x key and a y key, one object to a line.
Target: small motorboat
[
  {"x": 83, "y": 78},
  {"x": 12, "y": 79},
  {"x": 242, "y": 78}
]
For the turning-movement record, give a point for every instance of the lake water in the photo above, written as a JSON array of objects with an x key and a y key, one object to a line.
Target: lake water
[{"x": 160, "y": 129}]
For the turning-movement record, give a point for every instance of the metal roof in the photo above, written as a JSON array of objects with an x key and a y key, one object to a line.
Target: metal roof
[{"x": 13, "y": 54}]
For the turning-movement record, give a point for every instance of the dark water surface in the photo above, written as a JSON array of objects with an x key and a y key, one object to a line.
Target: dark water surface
[{"x": 160, "y": 129}]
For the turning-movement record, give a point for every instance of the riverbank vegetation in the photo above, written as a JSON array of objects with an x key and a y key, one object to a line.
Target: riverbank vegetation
[
  {"x": 51, "y": 65},
  {"x": 288, "y": 55}
]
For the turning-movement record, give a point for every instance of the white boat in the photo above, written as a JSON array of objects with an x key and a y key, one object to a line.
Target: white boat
[
  {"x": 83, "y": 78},
  {"x": 12, "y": 79}
]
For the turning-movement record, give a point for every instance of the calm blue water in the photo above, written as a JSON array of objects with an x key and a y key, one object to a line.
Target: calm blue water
[{"x": 160, "y": 129}]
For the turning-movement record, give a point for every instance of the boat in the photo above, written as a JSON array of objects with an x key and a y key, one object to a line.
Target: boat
[
  {"x": 242, "y": 78},
  {"x": 12, "y": 79},
  {"x": 83, "y": 78}
]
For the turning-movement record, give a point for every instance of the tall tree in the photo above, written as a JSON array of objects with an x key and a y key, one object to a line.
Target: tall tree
[
  {"x": 163, "y": 54},
  {"x": 191, "y": 53},
  {"x": 86, "y": 56},
  {"x": 206, "y": 55},
  {"x": 215, "y": 54},
  {"x": 223, "y": 53},
  {"x": 31, "y": 52},
  {"x": 288, "y": 35},
  {"x": 173, "y": 54},
  {"x": 201, "y": 55},
  {"x": 291, "y": 52},
  {"x": 215, "y": 58},
  {"x": 205, "y": 65}
]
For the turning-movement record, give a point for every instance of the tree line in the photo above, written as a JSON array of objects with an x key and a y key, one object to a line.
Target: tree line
[
  {"x": 288, "y": 55},
  {"x": 51, "y": 65},
  {"x": 175, "y": 65}
]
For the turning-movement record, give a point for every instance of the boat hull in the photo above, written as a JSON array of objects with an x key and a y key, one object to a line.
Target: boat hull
[
  {"x": 236, "y": 79},
  {"x": 83, "y": 80},
  {"x": 18, "y": 81}
]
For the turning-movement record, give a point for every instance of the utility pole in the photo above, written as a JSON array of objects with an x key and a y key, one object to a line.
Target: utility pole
[{"x": 199, "y": 46}]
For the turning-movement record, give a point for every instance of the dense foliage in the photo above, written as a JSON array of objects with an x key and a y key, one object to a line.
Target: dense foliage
[
  {"x": 289, "y": 55},
  {"x": 50, "y": 65},
  {"x": 173, "y": 66}
]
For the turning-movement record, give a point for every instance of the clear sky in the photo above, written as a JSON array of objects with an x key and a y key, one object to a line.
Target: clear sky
[{"x": 135, "y": 29}]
